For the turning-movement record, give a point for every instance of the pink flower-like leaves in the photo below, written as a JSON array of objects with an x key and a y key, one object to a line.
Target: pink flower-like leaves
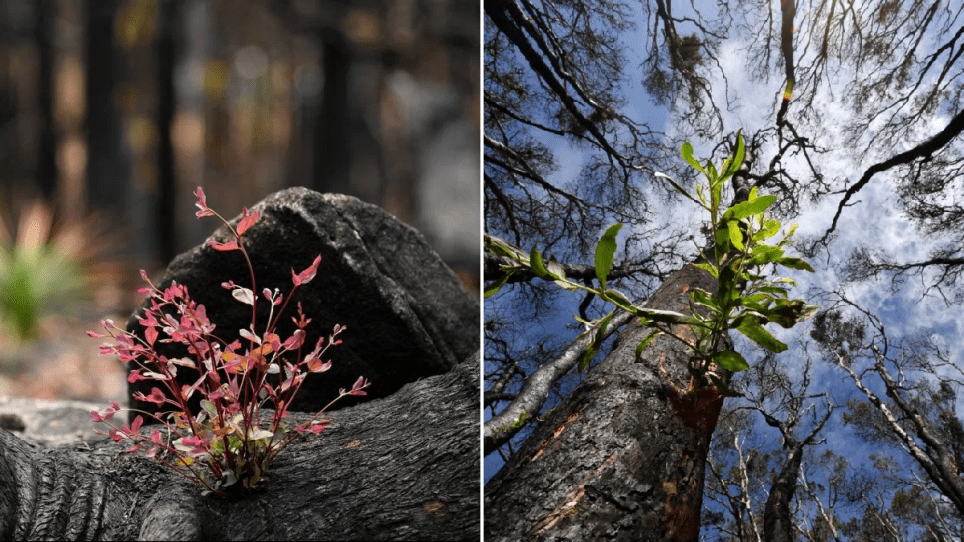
[
  {"x": 305, "y": 276},
  {"x": 223, "y": 247},
  {"x": 246, "y": 221},
  {"x": 202, "y": 204},
  {"x": 232, "y": 379}
]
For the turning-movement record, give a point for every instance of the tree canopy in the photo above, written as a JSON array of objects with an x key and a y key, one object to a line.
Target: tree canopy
[{"x": 852, "y": 113}]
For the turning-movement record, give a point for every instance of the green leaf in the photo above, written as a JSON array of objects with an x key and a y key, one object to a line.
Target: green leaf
[
  {"x": 769, "y": 229},
  {"x": 703, "y": 297},
  {"x": 493, "y": 288},
  {"x": 752, "y": 329},
  {"x": 795, "y": 263},
  {"x": 765, "y": 254},
  {"x": 736, "y": 236},
  {"x": 645, "y": 342},
  {"x": 597, "y": 339},
  {"x": 789, "y": 234},
  {"x": 555, "y": 268},
  {"x": 679, "y": 188},
  {"x": 777, "y": 290},
  {"x": 538, "y": 267},
  {"x": 618, "y": 298},
  {"x": 730, "y": 360},
  {"x": 723, "y": 240},
  {"x": 738, "y": 156},
  {"x": 745, "y": 209},
  {"x": 604, "y": 254},
  {"x": 711, "y": 269},
  {"x": 687, "y": 152},
  {"x": 498, "y": 248}
]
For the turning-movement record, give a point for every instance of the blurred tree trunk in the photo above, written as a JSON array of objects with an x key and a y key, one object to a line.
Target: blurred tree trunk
[
  {"x": 332, "y": 158},
  {"x": 169, "y": 19},
  {"x": 47, "y": 152},
  {"x": 106, "y": 172}
]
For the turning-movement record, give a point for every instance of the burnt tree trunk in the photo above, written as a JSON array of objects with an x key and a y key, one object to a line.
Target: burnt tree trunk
[
  {"x": 623, "y": 457},
  {"x": 403, "y": 467}
]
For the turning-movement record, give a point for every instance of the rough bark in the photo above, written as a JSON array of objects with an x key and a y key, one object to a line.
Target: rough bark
[
  {"x": 623, "y": 457},
  {"x": 403, "y": 467},
  {"x": 407, "y": 314},
  {"x": 498, "y": 430}
]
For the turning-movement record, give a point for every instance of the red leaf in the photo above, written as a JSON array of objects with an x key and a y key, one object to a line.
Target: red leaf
[
  {"x": 360, "y": 384},
  {"x": 296, "y": 340},
  {"x": 156, "y": 396},
  {"x": 230, "y": 245},
  {"x": 315, "y": 365},
  {"x": 202, "y": 204},
  {"x": 305, "y": 276},
  {"x": 246, "y": 221}
]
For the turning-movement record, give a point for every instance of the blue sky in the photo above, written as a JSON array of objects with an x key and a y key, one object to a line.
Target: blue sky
[{"x": 873, "y": 219}]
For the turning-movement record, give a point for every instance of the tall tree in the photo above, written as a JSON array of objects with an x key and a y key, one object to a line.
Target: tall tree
[
  {"x": 44, "y": 18},
  {"x": 861, "y": 94},
  {"x": 169, "y": 23},
  {"x": 106, "y": 181}
]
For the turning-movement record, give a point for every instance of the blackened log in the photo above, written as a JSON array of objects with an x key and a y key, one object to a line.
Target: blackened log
[
  {"x": 405, "y": 467},
  {"x": 408, "y": 316}
]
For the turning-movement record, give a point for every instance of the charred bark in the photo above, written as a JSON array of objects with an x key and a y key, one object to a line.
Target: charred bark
[
  {"x": 403, "y": 467},
  {"x": 623, "y": 457}
]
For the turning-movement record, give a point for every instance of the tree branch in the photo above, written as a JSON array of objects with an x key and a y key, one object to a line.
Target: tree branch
[{"x": 923, "y": 150}]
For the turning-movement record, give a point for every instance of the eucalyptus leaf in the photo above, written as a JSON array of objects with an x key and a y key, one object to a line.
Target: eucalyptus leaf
[
  {"x": 730, "y": 360},
  {"x": 736, "y": 235},
  {"x": 643, "y": 344},
  {"x": 687, "y": 153},
  {"x": 711, "y": 269},
  {"x": 752, "y": 329},
  {"x": 604, "y": 254},
  {"x": 597, "y": 339},
  {"x": 493, "y": 288},
  {"x": 795, "y": 263},
  {"x": 677, "y": 187},
  {"x": 746, "y": 209},
  {"x": 538, "y": 267}
]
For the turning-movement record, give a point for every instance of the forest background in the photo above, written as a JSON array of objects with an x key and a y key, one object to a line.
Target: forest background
[{"x": 113, "y": 111}]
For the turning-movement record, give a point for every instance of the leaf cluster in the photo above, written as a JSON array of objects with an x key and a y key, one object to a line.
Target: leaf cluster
[
  {"x": 746, "y": 298},
  {"x": 227, "y": 442}
]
